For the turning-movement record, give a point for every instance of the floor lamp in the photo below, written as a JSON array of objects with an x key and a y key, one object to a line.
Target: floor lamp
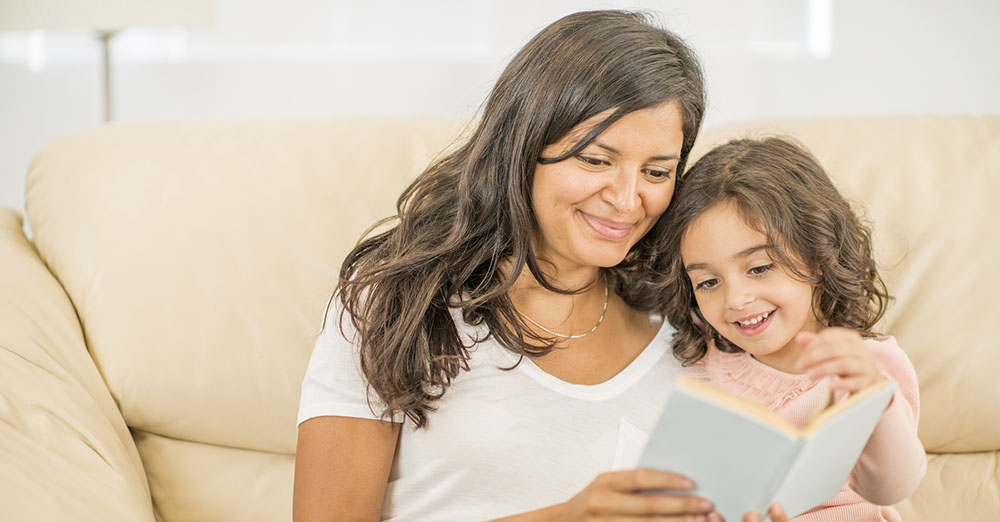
[{"x": 106, "y": 18}]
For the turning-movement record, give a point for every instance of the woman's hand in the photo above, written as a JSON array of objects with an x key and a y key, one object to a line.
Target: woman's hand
[
  {"x": 839, "y": 354},
  {"x": 776, "y": 513},
  {"x": 616, "y": 496}
]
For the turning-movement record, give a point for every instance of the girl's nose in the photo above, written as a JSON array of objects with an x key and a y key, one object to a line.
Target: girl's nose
[
  {"x": 623, "y": 191},
  {"x": 738, "y": 296}
]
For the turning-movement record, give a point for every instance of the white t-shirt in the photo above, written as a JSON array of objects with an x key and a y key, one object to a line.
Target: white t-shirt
[{"x": 500, "y": 442}]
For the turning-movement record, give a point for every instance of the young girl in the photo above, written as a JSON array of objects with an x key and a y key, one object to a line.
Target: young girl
[{"x": 771, "y": 283}]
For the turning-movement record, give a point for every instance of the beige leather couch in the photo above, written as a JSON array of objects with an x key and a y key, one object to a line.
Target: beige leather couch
[{"x": 154, "y": 332}]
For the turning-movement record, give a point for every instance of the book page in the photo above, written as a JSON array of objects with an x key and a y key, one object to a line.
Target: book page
[
  {"x": 832, "y": 449},
  {"x": 737, "y": 403}
]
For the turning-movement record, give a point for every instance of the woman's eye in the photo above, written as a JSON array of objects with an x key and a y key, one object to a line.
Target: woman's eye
[
  {"x": 707, "y": 284},
  {"x": 761, "y": 270},
  {"x": 658, "y": 174},
  {"x": 597, "y": 162}
]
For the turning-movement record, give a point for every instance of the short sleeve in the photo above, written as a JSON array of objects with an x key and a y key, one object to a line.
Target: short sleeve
[{"x": 334, "y": 384}]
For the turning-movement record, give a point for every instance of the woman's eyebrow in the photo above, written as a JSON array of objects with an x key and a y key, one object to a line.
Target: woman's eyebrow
[{"x": 613, "y": 150}]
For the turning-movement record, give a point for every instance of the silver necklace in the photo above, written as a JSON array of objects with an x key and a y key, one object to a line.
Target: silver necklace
[{"x": 564, "y": 336}]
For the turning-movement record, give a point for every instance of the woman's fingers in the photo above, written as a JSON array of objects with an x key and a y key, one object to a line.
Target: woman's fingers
[
  {"x": 712, "y": 517},
  {"x": 644, "y": 479},
  {"x": 647, "y": 504},
  {"x": 640, "y": 493}
]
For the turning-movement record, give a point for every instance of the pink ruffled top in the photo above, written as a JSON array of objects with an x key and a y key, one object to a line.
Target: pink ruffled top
[{"x": 740, "y": 373}]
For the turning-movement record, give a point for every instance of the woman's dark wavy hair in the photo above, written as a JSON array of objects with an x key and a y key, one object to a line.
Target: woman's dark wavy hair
[
  {"x": 471, "y": 211},
  {"x": 782, "y": 191}
]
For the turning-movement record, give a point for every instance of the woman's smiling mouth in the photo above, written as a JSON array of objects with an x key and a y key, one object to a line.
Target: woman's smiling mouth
[{"x": 612, "y": 230}]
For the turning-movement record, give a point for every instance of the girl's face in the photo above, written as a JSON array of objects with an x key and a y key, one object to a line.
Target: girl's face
[
  {"x": 741, "y": 292},
  {"x": 593, "y": 207}
]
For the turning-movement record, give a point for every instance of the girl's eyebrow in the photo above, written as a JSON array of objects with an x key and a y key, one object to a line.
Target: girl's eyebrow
[
  {"x": 694, "y": 266},
  {"x": 753, "y": 250},
  {"x": 613, "y": 150},
  {"x": 744, "y": 253}
]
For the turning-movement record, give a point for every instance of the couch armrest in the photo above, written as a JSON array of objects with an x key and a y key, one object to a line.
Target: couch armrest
[{"x": 65, "y": 450}]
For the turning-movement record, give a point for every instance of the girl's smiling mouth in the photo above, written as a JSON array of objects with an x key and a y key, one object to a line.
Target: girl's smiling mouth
[{"x": 754, "y": 324}]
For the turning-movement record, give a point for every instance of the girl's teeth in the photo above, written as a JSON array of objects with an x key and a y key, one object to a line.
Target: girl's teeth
[{"x": 755, "y": 320}]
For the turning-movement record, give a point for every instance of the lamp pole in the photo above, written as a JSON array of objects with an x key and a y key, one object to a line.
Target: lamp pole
[{"x": 105, "y": 38}]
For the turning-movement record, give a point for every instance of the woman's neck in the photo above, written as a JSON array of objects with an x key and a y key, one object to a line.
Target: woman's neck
[
  {"x": 567, "y": 314},
  {"x": 582, "y": 281}
]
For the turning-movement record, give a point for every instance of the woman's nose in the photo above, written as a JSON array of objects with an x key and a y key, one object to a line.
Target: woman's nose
[{"x": 623, "y": 191}]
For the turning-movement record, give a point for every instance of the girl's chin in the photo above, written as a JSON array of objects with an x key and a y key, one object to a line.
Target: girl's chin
[{"x": 757, "y": 349}]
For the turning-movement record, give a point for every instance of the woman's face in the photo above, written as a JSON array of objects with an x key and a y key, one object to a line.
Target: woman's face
[{"x": 592, "y": 207}]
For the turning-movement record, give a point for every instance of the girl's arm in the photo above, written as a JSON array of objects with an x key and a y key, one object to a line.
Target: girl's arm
[
  {"x": 341, "y": 468},
  {"x": 893, "y": 462}
]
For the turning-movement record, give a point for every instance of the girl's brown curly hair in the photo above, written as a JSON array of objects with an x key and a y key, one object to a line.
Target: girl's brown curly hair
[{"x": 781, "y": 190}]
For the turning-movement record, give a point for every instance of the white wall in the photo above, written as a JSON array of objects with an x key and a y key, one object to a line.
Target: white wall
[{"x": 303, "y": 57}]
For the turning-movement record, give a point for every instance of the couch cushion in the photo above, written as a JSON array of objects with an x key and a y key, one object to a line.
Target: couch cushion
[
  {"x": 66, "y": 452},
  {"x": 931, "y": 186},
  {"x": 196, "y": 482},
  {"x": 958, "y": 486}
]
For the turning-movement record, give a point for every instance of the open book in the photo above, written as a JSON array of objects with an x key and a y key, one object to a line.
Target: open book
[{"x": 744, "y": 457}]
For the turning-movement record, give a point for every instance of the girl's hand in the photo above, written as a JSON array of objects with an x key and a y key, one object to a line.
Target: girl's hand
[
  {"x": 776, "y": 513},
  {"x": 839, "y": 354},
  {"x": 616, "y": 496}
]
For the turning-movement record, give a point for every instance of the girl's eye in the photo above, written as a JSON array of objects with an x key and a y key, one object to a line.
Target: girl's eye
[
  {"x": 707, "y": 284},
  {"x": 596, "y": 162},
  {"x": 760, "y": 270}
]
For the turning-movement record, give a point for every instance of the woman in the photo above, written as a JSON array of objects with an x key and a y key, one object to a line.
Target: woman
[{"x": 490, "y": 354}]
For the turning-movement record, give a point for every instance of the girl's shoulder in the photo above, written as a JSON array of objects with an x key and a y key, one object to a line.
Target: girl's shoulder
[
  {"x": 883, "y": 342},
  {"x": 890, "y": 358},
  {"x": 892, "y": 361}
]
